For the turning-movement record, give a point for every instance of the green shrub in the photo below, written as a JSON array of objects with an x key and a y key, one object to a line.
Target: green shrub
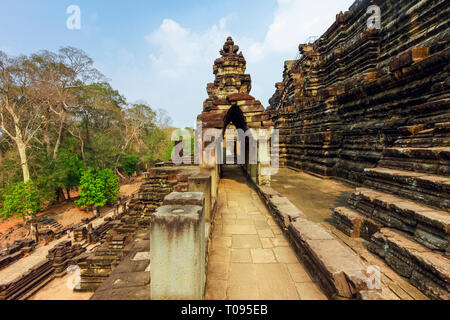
[
  {"x": 97, "y": 188},
  {"x": 110, "y": 183},
  {"x": 88, "y": 189},
  {"x": 22, "y": 200}
]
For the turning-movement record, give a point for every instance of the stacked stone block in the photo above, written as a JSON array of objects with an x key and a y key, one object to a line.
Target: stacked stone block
[
  {"x": 98, "y": 266},
  {"x": 13, "y": 253},
  {"x": 54, "y": 265},
  {"x": 62, "y": 255}
]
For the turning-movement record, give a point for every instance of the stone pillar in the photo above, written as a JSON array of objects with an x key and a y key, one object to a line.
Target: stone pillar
[
  {"x": 177, "y": 255},
  {"x": 185, "y": 198},
  {"x": 97, "y": 211},
  {"x": 195, "y": 199},
  {"x": 35, "y": 233},
  {"x": 202, "y": 183}
]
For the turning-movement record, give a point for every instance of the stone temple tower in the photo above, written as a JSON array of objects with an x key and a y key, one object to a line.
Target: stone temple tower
[
  {"x": 229, "y": 71},
  {"x": 229, "y": 103},
  {"x": 231, "y": 87}
]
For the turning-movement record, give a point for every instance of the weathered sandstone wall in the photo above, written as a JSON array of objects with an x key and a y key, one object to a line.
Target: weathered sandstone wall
[{"x": 354, "y": 90}]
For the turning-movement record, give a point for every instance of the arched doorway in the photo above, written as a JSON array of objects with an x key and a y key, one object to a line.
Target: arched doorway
[{"x": 241, "y": 146}]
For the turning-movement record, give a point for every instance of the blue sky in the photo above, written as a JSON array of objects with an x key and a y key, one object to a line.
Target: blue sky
[{"x": 162, "y": 52}]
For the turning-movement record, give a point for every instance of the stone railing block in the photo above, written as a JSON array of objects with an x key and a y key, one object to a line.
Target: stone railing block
[
  {"x": 177, "y": 253},
  {"x": 202, "y": 183},
  {"x": 185, "y": 198},
  {"x": 340, "y": 272}
]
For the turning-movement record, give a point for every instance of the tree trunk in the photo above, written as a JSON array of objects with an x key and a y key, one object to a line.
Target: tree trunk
[
  {"x": 120, "y": 175},
  {"x": 46, "y": 139},
  {"x": 23, "y": 160},
  {"x": 60, "y": 195},
  {"x": 83, "y": 157},
  {"x": 68, "y": 193},
  {"x": 59, "y": 139}
]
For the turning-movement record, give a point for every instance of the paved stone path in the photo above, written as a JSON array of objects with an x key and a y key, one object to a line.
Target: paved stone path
[{"x": 250, "y": 258}]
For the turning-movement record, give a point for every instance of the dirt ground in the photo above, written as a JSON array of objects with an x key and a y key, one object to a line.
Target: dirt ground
[
  {"x": 128, "y": 189},
  {"x": 60, "y": 289},
  {"x": 65, "y": 213}
]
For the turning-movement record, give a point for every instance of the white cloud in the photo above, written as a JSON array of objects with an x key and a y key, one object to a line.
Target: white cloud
[
  {"x": 255, "y": 52},
  {"x": 295, "y": 21},
  {"x": 177, "y": 51},
  {"x": 179, "y": 61},
  {"x": 181, "y": 51}
]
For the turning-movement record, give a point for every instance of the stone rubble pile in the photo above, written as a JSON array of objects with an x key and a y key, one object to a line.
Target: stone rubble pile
[
  {"x": 65, "y": 253},
  {"x": 32, "y": 280},
  {"x": 130, "y": 280},
  {"x": 62, "y": 255},
  {"x": 15, "y": 252},
  {"x": 97, "y": 267},
  {"x": 115, "y": 235},
  {"x": 158, "y": 183},
  {"x": 54, "y": 265}
]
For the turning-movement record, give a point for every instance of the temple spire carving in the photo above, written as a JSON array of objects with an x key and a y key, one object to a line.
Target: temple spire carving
[{"x": 229, "y": 48}]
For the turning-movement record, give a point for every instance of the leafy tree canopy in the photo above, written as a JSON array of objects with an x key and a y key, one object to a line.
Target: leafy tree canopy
[{"x": 22, "y": 200}]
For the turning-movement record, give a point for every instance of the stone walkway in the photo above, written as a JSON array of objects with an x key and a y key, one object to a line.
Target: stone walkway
[{"x": 250, "y": 258}]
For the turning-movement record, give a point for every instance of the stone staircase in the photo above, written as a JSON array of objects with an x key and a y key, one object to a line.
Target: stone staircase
[
  {"x": 98, "y": 266},
  {"x": 403, "y": 209}
]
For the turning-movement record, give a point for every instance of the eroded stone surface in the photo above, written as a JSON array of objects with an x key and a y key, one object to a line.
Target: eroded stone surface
[{"x": 427, "y": 270}]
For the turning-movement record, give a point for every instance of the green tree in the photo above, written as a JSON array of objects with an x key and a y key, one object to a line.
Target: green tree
[
  {"x": 110, "y": 183},
  {"x": 88, "y": 189},
  {"x": 59, "y": 114},
  {"x": 129, "y": 164},
  {"x": 67, "y": 170},
  {"x": 22, "y": 200},
  {"x": 159, "y": 145},
  {"x": 98, "y": 188}
]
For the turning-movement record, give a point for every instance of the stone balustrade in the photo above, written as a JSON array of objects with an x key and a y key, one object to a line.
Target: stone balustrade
[{"x": 177, "y": 248}]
